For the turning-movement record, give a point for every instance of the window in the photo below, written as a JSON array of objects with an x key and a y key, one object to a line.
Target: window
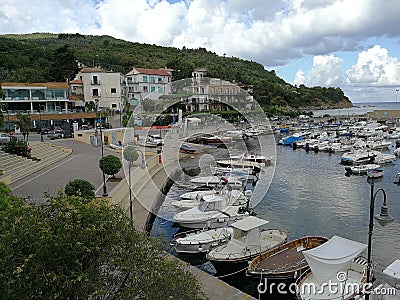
[
  {"x": 152, "y": 79},
  {"x": 160, "y": 89},
  {"x": 113, "y": 90},
  {"x": 145, "y": 89},
  {"x": 159, "y": 79},
  {"x": 144, "y": 78},
  {"x": 114, "y": 105},
  {"x": 152, "y": 88},
  {"x": 95, "y": 92},
  {"x": 95, "y": 79}
]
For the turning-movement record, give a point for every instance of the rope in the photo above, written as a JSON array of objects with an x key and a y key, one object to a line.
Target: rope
[{"x": 230, "y": 274}]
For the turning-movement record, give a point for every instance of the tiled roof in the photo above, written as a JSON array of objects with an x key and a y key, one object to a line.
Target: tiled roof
[
  {"x": 76, "y": 81},
  {"x": 161, "y": 72},
  {"x": 92, "y": 70},
  {"x": 49, "y": 85}
]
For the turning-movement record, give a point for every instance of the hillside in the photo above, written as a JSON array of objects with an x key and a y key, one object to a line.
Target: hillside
[{"x": 29, "y": 58}]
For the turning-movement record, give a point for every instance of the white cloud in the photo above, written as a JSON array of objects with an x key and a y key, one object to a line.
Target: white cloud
[
  {"x": 326, "y": 71},
  {"x": 374, "y": 67},
  {"x": 299, "y": 78}
]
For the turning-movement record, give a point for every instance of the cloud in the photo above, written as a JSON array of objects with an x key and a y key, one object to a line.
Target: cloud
[
  {"x": 299, "y": 78},
  {"x": 327, "y": 70},
  {"x": 374, "y": 67}
]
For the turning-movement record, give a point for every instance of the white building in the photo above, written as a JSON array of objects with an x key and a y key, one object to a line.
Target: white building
[
  {"x": 108, "y": 88},
  {"x": 148, "y": 83}
]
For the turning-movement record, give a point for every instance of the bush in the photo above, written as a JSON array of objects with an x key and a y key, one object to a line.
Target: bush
[
  {"x": 80, "y": 187},
  {"x": 110, "y": 165}
]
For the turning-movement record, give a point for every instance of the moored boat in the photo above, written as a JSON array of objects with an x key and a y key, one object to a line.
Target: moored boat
[
  {"x": 185, "y": 148},
  {"x": 336, "y": 262},
  {"x": 200, "y": 241},
  {"x": 285, "y": 262},
  {"x": 247, "y": 242}
]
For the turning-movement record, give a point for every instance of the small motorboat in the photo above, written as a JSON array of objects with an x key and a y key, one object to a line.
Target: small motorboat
[
  {"x": 185, "y": 148},
  {"x": 261, "y": 159},
  {"x": 212, "y": 181},
  {"x": 285, "y": 262},
  {"x": 247, "y": 242},
  {"x": 199, "y": 241},
  {"x": 375, "y": 173},
  {"x": 361, "y": 169},
  {"x": 239, "y": 164}
]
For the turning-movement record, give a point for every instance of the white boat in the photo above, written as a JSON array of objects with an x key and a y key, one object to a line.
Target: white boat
[
  {"x": 233, "y": 197},
  {"x": 382, "y": 158},
  {"x": 243, "y": 174},
  {"x": 201, "y": 241},
  {"x": 261, "y": 159},
  {"x": 397, "y": 152},
  {"x": 375, "y": 173},
  {"x": 247, "y": 242},
  {"x": 213, "y": 180},
  {"x": 361, "y": 169},
  {"x": 213, "y": 212},
  {"x": 357, "y": 157},
  {"x": 335, "y": 263},
  {"x": 240, "y": 164}
]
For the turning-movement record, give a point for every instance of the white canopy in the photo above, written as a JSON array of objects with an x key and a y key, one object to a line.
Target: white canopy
[
  {"x": 249, "y": 223},
  {"x": 393, "y": 270},
  {"x": 329, "y": 258}
]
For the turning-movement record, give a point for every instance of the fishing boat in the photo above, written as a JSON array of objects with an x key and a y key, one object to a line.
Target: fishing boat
[
  {"x": 185, "y": 148},
  {"x": 335, "y": 262},
  {"x": 217, "y": 140},
  {"x": 233, "y": 197},
  {"x": 240, "y": 164},
  {"x": 199, "y": 241},
  {"x": 214, "y": 180},
  {"x": 247, "y": 242},
  {"x": 375, "y": 173},
  {"x": 285, "y": 262},
  {"x": 212, "y": 212},
  {"x": 261, "y": 159}
]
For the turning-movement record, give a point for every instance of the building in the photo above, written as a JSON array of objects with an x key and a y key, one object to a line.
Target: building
[
  {"x": 31, "y": 97},
  {"x": 107, "y": 88},
  {"x": 147, "y": 84}
]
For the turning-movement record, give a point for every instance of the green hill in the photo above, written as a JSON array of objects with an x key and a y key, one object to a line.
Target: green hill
[{"x": 29, "y": 58}]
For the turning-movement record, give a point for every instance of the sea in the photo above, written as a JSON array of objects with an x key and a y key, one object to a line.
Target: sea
[
  {"x": 358, "y": 109},
  {"x": 309, "y": 195}
]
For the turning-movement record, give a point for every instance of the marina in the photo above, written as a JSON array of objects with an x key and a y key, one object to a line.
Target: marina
[{"x": 334, "y": 204}]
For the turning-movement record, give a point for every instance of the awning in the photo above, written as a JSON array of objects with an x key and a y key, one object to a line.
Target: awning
[
  {"x": 329, "y": 258},
  {"x": 393, "y": 270}
]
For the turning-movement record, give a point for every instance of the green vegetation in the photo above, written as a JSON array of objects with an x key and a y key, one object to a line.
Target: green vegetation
[
  {"x": 80, "y": 187},
  {"x": 78, "y": 248},
  {"x": 30, "y": 57},
  {"x": 110, "y": 165}
]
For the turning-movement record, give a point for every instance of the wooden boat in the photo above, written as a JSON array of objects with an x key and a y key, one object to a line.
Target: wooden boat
[
  {"x": 247, "y": 242},
  {"x": 285, "y": 262},
  {"x": 335, "y": 262}
]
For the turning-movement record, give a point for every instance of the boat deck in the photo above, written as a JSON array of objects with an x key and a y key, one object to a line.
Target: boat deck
[{"x": 285, "y": 260}]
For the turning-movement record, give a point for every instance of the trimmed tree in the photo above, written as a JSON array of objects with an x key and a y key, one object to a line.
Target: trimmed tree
[
  {"x": 80, "y": 187},
  {"x": 75, "y": 248},
  {"x": 110, "y": 165}
]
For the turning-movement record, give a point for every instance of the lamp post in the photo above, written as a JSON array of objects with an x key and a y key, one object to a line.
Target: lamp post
[
  {"x": 40, "y": 121},
  {"x": 397, "y": 91},
  {"x": 131, "y": 155},
  {"x": 105, "y": 194},
  {"x": 383, "y": 218}
]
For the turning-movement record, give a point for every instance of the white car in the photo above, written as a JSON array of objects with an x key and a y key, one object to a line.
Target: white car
[{"x": 4, "y": 137}]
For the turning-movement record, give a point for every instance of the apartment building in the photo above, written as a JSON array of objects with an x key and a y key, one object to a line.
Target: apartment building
[{"x": 107, "y": 88}]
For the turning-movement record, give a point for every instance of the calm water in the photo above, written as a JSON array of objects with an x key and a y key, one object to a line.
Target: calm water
[{"x": 310, "y": 195}]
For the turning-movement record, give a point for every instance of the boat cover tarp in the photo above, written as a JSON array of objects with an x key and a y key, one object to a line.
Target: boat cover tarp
[
  {"x": 393, "y": 270},
  {"x": 329, "y": 258}
]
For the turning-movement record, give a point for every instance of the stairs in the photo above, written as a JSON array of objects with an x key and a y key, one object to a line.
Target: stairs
[{"x": 19, "y": 167}]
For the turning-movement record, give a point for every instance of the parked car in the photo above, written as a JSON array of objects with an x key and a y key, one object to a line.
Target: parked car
[
  {"x": 57, "y": 134},
  {"x": 4, "y": 137}
]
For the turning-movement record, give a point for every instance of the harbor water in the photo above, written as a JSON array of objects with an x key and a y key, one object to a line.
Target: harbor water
[{"x": 310, "y": 195}]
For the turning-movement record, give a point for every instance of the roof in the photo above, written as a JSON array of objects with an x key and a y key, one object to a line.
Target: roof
[
  {"x": 49, "y": 85},
  {"x": 393, "y": 270},
  {"x": 161, "y": 72},
  {"x": 249, "y": 223},
  {"x": 76, "y": 81},
  {"x": 91, "y": 70}
]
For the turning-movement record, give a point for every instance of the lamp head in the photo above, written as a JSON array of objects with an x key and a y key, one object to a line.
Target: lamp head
[
  {"x": 384, "y": 218},
  {"x": 143, "y": 164}
]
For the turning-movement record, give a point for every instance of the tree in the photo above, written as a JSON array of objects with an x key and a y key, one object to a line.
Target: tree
[
  {"x": 80, "y": 187},
  {"x": 64, "y": 65},
  {"x": 24, "y": 124},
  {"x": 77, "y": 248},
  {"x": 110, "y": 165}
]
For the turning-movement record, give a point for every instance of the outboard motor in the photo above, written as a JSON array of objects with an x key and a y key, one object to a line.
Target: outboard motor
[{"x": 348, "y": 171}]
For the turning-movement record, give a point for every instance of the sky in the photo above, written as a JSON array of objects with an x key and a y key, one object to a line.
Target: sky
[{"x": 351, "y": 44}]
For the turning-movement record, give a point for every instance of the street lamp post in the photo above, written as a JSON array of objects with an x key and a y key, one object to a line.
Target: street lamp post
[
  {"x": 397, "y": 91},
  {"x": 130, "y": 154},
  {"x": 40, "y": 121},
  {"x": 383, "y": 218},
  {"x": 105, "y": 194}
]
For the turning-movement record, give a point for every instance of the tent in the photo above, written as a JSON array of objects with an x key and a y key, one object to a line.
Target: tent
[{"x": 329, "y": 258}]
